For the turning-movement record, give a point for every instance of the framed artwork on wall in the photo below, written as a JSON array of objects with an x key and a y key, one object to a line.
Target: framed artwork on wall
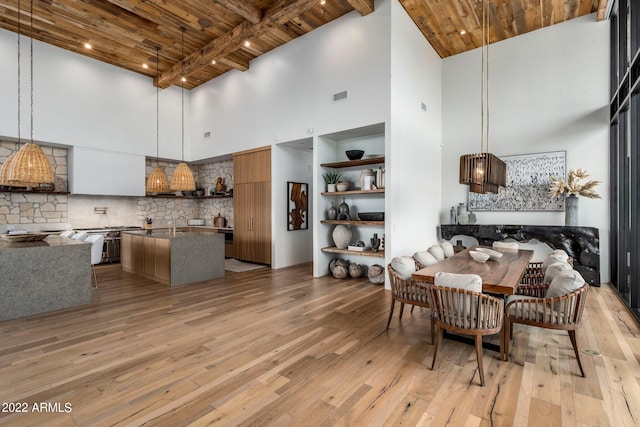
[
  {"x": 297, "y": 206},
  {"x": 528, "y": 181}
]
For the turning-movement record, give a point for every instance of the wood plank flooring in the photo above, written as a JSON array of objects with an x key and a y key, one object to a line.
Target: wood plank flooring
[{"x": 279, "y": 347}]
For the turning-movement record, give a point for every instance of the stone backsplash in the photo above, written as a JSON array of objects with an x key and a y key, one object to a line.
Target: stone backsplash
[
  {"x": 78, "y": 210},
  {"x": 33, "y": 208},
  {"x": 163, "y": 209}
]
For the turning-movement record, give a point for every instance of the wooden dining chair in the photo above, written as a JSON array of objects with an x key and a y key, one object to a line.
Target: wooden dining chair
[
  {"x": 530, "y": 307},
  {"x": 407, "y": 291},
  {"x": 466, "y": 312}
]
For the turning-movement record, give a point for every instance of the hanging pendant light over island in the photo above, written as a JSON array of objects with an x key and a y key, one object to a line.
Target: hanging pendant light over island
[
  {"x": 29, "y": 166},
  {"x": 182, "y": 178},
  {"x": 157, "y": 181}
]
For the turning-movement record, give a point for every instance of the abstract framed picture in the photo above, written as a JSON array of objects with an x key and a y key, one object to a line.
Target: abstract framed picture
[
  {"x": 297, "y": 206},
  {"x": 528, "y": 181}
]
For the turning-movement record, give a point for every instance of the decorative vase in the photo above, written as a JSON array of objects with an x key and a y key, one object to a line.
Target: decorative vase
[
  {"x": 462, "y": 209},
  {"x": 367, "y": 178},
  {"x": 332, "y": 213},
  {"x": 472, "y": 218},
  {"x": 343, "y": 211},
  {"x": 571, "y": 210},
  {"x": 341, "y": 236},
  {"x": 375, "y": 243},
  {"x": 331, "y": 188}
]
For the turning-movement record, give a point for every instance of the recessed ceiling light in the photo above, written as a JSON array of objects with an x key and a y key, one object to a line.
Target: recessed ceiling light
[
  {"x": 463, "y": 32},
  {"x": 246, "y": 43},
  {"x": 322, "y": 2},
  {"x": 184, "y": 79},
  {"x": 145, "y": 66},
  {"x": 87, "y": 46},
  {"x": 213, "y": 62}
]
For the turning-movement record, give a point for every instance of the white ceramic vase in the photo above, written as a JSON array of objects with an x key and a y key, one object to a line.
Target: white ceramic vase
[
  {"x": 341, "y": 236},
  {"x": 331, "y": 188}
]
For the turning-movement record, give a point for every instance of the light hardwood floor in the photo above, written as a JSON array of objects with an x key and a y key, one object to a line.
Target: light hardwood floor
[{"x": 283, "y": 348}]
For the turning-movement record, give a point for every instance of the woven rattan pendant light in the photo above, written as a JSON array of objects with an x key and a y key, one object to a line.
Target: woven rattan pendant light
[
  {"x": 182, "y": 178},
  {"x": 29, "y": 166},
  {"x": 483, "y": 172},
  {"x": 6, "y": 166},
  {"x": 157, "y": 181}
]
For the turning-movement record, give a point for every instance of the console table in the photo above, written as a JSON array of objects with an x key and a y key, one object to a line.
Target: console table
[{"x": 581, "y": 243}]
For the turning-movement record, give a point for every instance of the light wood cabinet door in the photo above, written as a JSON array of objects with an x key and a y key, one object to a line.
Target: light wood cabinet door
[
  {"x": 252, "y": 223},
  {"x": 252, "y": 166},
  {"x": 252, "y": 205},
  {"x": 261, "y": 222}
]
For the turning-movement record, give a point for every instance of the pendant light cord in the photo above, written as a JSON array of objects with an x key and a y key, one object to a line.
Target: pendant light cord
[
  {"x": 157, "y": 108},
  {"x": 484, "y": 81},
  {"x": 19, "y": 37},
  {"x": 31, "y": 68},
  {"x": 487, "y": 67},
  {"x": 182, "y": 91}
]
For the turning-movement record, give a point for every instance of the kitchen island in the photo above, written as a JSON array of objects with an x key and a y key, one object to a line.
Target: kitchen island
[
  {"x": 37, "y": 277},
  {"x": 173, "y": 258}
]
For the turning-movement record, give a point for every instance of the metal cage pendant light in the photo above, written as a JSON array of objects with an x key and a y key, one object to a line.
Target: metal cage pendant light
[
  {"x": 157, "y": 181},
  {"x": 483, "y": 172},
  {"x": 29, "y": 167},
  {"x": 182, "y": 178}
]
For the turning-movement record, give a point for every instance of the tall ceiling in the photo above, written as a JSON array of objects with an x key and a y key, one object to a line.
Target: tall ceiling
[{"x": 220, "y": 35}]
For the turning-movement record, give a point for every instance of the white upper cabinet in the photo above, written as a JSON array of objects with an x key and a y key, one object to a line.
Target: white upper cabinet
[{"x": 109, "y": 173}]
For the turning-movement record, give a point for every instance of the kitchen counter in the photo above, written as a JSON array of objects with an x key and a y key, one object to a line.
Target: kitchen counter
[
  {"x": 183, "y": 258},
  {"x": 194, "y": 228},
  {"x": 38, "y": 277}
]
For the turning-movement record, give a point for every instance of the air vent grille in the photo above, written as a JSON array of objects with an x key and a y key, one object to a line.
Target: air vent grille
[{"x": 340, "y": 96}]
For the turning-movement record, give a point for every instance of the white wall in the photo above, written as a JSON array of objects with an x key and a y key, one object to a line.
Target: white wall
[
  {"x": 413, "y": 153},
  {"x": 549, "y": 91},
  {"x": 79, "y": 101},
  {"x": 288, "y": 91},
  {"x": 292, "y": 247}
]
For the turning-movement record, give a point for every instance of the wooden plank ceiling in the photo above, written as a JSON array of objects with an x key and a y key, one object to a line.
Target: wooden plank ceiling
[{"x": 220, "y": 35}]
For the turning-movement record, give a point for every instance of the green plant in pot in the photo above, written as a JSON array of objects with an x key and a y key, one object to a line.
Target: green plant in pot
[{"x": 332, "y": 179}]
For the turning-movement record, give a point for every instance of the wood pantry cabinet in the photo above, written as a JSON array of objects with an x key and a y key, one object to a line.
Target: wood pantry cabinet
[{"x": 252, "y": 205}]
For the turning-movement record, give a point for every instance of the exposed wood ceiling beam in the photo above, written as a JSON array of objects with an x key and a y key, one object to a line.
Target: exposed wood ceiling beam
[
  {"x": 238, "y": 64},
  {"x": 242, "y": 8},
  {"x": 278, "y": 14},
  {"x": 603, "y": 6},
  {"x": 364, "y": 7}
]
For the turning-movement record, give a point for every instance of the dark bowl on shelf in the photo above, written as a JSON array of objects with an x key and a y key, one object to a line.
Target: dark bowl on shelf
[
  {"x": 371, "y": 216},
  {"x": 354, "y": 154}
]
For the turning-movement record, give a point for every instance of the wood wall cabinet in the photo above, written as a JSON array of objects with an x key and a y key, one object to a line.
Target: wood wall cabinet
[{"x": 252, "y": 205}]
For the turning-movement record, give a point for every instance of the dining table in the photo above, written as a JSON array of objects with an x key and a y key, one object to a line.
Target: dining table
[{"x": 499, "y": 276}]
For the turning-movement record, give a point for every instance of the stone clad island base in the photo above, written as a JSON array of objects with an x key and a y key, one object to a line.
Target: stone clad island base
[
  {"x": 186, "y": 257},
  {"x": 37, "y": 277}
]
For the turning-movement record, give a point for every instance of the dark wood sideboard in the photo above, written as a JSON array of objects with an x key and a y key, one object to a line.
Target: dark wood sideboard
[{"x": 581, "y": 243}]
